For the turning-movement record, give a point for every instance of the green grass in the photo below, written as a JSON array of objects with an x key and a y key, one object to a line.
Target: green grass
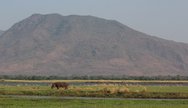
[
  {"x": 8, "y": 102},
  {"x": 177, "y": 89}
]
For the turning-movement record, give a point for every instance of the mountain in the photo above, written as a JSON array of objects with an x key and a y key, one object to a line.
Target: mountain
[
  {"x": 85, "y": 45},
  {"x": 1, "y": 32}
]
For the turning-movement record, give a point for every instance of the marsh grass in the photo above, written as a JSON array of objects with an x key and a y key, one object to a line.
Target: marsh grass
[{"x": 102, "y": 90}]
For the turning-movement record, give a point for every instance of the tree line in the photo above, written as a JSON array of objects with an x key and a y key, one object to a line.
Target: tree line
[{"x": 86, "y": 77}]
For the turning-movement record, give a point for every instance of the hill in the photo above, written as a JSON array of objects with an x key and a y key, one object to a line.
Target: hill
[
  {"x": 85, "y": 45},
  {"x": 1, "y": 32}
]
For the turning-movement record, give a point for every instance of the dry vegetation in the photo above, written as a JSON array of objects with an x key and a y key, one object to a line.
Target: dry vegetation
[{"x": 102, "y": 89}]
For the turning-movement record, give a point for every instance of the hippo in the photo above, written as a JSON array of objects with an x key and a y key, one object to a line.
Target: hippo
[{"x": 60, "y": 85}]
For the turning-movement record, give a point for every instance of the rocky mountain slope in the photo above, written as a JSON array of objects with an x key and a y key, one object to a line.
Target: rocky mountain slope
[{"x": 85, "y": 45}]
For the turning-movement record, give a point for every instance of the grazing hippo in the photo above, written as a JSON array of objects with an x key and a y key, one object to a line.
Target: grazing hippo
[{"x": 59, "y": 85}]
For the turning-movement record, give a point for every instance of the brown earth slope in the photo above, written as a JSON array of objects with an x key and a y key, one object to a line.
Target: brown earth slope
[{"x": 85, "y": 45}]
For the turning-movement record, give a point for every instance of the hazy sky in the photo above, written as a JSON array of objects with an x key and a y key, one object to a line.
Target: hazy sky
[{"x": 163, "y": 18}]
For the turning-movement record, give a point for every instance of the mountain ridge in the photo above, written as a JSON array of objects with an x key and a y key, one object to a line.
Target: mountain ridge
[{"x": 53, "y": 44}]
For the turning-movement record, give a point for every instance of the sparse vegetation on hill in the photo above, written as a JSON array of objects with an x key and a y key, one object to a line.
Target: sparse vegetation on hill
[
  {"x": 22, "y": 77},
  {"x": 56, "y": 45}
]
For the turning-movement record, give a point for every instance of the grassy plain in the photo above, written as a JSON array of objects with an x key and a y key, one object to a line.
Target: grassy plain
[
  {"x": 8, "y": 102},
  {"x": 102, "y": 90}
]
